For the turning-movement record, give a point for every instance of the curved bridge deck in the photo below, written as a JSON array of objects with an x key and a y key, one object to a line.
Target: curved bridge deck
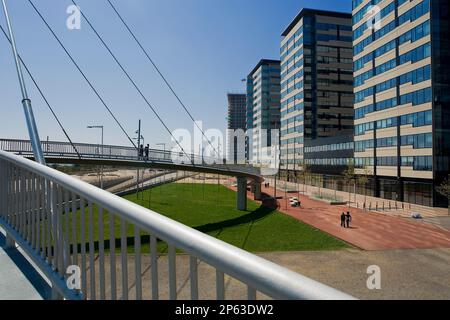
[{"x": 63, "y": 152}]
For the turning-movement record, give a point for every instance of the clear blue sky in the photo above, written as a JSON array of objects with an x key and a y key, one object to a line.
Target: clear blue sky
[{"x": 204, "y": 47}]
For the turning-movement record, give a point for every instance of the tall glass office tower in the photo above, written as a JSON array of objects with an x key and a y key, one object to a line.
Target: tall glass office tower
[
  {"x": 237, "y": 121},
  {"x": 401, "y": 91},
  {"x": 316, "y": 89},
  {"x": 263, "y": 107}
]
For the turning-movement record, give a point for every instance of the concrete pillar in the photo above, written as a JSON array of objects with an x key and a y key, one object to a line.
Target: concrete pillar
[
  {"x": 242, "y": 193},
  {"x": 257, "y": 190}
]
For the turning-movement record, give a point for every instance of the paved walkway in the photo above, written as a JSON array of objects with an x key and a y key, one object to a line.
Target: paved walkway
[
  {"x": 379, "y": 205},
  {"x": 418, "y": 274},
  {"x": 18, "y": 278},
  {"x": 405, "y": 274},
  {"x": 369, "y": 231}
]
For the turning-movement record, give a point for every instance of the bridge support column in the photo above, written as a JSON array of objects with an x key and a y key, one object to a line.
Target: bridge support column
[
  {"x": 257, "y": 190},
  {"x": 242, "y": 193}
]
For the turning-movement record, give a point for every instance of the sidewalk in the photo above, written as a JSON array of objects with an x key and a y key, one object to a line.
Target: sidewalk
[
  {"x": 18, "y": 278},
  {"x": 369, "y": 231},
  {"x": 384, "y": 206}
]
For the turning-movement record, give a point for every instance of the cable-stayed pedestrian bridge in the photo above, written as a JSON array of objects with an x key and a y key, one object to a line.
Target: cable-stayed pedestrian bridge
[
  {"x": 71, "y": 229},
  {"x": 94, "y": 154},
  {"x": 80, "y": 237}
]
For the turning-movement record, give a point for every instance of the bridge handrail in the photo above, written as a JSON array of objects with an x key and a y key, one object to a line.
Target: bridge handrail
[
  {"x": 257, "y": 273},
  {"x": 48, "y": 147},
  {"x": 92, "y": 151}
]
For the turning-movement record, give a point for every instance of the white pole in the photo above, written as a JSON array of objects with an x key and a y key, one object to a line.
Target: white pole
[{"x": 26, "y": 102}]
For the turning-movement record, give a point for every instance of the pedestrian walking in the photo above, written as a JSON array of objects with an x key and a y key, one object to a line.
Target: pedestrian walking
[
  {"x": 343, "y": 219},
  {"x": 348, "y": 219}
]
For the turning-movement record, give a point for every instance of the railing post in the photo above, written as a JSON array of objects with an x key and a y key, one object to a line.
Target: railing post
[
  {"x": 9, "y": 242},
  {"x": 55, "y": 294}
]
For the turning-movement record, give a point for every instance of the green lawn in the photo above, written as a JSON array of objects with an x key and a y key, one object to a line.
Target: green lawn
[{"x": 212, "y": 210}]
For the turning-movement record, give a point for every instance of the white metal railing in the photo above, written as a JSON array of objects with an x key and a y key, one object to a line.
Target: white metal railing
[
  {"x": 57, "y": 149},
  {"x": 51, "y": 216}
]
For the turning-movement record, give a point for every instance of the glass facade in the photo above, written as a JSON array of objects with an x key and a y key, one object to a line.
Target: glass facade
[
  {"x": 237, "y": 112},
  {"x": 316, "y": 85},
  {"x": 393, "y": 105},
  {"x": 440, "y": 30},
  {"x": 263, "y": 107}
]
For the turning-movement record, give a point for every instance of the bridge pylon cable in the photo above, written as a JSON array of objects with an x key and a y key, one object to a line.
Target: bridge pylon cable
[
  {"x": 133, "y": 82},
  {"x": 158, "y": 70},
  {"x": 82, "y": 73},
  {"x": 43, "y": 96}
]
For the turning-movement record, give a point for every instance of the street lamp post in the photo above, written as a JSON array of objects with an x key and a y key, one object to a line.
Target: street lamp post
[
  {"x": 101, "y": 167},
  {"x": 138, "y": 172},
  {"x": 138, "y": 132},
  {"x": 139, "y": 140}
]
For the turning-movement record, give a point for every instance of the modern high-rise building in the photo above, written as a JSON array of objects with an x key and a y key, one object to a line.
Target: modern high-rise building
[
  {"x": 237, "y": 122},
  {"x": 316, "y": 90},
  {"x": 402, "y": 93},
  {"x": 263, "y": 109}
]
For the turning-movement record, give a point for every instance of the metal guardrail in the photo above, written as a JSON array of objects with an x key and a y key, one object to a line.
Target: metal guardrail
[
  {"x": 56, "y": 149},
  {"x": 86, "y": 150},
  {"x": 38, "y": 210}
]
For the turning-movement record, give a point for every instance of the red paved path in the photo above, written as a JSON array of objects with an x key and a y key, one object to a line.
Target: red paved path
[{"x": 369, "y": 231}]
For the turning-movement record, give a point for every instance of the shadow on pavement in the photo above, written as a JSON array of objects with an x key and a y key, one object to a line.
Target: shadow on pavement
[{"x": 36, "y": 280}]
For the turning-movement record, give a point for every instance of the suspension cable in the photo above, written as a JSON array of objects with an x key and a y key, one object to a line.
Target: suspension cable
[
  {"x": 43, "y": 97},
  {"x": 132, "y": 82},
  {"x": 158, "y": 70},
  {"x": 82, "y": 73}
]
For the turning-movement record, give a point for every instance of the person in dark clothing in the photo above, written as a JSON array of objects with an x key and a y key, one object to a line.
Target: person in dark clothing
[
  {"x": 348, "y": 219},
  {"x": 141, "y": 151},
  {"x": 343, "y": 219},
  {"x": 147, "y": 149}
]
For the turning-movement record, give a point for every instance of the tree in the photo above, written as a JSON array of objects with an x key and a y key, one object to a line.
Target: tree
[
  {"x": 363, "y": 179},
  {"x": 320, "y": 183},
  {"x": 444, "y": 189},
  {"x": 305, "y": 173},
  {"x": 349, "y": 178}
]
